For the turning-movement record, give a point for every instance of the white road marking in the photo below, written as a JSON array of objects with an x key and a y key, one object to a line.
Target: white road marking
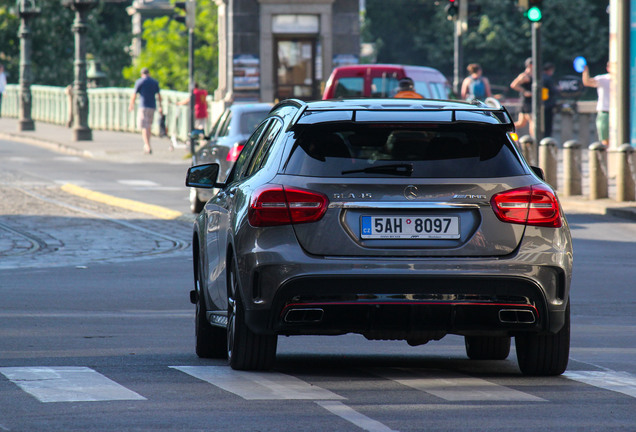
[
  {"x": 69, "y": 158},
  {"x": 620, "y": 382},
  {"x": 258, "y": 385},
  {"x": 144, "y": 183},
  {"x": 349, "y": 414},
  {"x": 67, "y": 384},
  {"x": 455, "y": 387}
]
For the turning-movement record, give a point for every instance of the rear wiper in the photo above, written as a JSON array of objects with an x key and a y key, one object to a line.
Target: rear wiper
[{"x": 394, "y": 169}]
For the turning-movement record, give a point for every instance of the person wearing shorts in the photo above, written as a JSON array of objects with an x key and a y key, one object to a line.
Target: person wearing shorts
[
  {"x": 148, "y": 90},
  {"x": 602, "y": 84}
]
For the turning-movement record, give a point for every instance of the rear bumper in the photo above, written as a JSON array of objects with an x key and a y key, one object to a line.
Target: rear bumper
[{"x": 414, "y": 307}]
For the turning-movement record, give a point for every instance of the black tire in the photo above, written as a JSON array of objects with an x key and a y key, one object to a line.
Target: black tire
[
  {"x": 210, "y": 341},
  {"x": 196, "y": 205},
  {"x": 487, "y": 347},
  {"x": 545, "y": 355},
  {"x": 246, "y": 350}
]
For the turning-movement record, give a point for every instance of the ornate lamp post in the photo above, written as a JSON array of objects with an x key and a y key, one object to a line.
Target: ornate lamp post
[
  {"x": 81, "y": 131},
  {"x": 27, "y": 9}
]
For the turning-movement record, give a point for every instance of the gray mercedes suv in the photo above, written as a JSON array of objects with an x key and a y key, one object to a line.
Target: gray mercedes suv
[{"x": 395, "y": 219}]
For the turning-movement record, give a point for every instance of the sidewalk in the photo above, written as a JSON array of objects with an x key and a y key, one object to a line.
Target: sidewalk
[
  {"x": 128, "y": 148},
  {"x": 106, "y": 145}
]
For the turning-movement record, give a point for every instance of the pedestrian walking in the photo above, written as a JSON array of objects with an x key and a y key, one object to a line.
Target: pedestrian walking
[
  {"x": 148, "y": 90},
  {"x": 550, "y": 94},
  {"x": 406, "y": 90},
  {"x": 523, "y": 84},
  {"x": 3, "y": 85},
  {"x": 602, "y": 85},
  {"x": 475, "y": 85},
  {"x": 200, "y": 107}
]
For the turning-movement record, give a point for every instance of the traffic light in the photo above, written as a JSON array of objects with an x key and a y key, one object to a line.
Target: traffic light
[
  {"x": 533, "y": 9},
  {"x": 452, "y": 9},
  {"x": 189, "y": 7}
]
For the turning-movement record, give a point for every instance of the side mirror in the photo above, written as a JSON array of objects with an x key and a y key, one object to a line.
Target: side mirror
[
  {"x": 203, "y": 176},
  {"x": 539, "y": 172}
]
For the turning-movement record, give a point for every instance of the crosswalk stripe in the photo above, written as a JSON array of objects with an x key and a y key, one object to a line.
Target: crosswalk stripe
[
  {"x": 258, "y": 385},
  {"x": 67, "y": 384},
  {"x": 620, "y": 382},
  {"x": 456, "y": 387},
  {"x": 347, "y": 413}
]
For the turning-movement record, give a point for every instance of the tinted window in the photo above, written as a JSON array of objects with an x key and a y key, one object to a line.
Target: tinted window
[
  {"x": 240, "y": 166},
  {"x": 263, "y": 151},
  {"x": 224, "y": 128},
  {"x": 432, "y": 152},
  {"x": 349, "y": 87},
  {"x": 217, "y": 125}
]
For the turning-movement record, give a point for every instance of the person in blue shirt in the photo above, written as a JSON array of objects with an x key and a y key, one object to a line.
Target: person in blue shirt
[{"x": 148, "y": 90}]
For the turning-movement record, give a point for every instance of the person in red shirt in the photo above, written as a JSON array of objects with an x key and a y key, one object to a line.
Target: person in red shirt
[
  {"x": 200, "y": 107},
  {"x": 406, "y": 90}
]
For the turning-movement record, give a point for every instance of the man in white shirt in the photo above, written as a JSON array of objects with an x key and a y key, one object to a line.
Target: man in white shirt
[
  {"x": 602, "y": 85},
  {"x": 3, "y": 84}
]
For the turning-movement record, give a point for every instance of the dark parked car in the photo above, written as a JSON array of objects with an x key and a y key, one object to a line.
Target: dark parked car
[
  {"x": 224, "y": 143},
  {"x": 394, "y": 219}
]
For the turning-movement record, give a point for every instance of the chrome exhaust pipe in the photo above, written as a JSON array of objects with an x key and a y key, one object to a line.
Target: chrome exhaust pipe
[
  {"x": 517, "y": 316},
  {"x": 304, "y": 315}
]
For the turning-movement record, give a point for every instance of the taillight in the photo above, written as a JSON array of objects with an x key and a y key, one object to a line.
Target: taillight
[
  {"x": 278, "y": 205},
  {"x": 234, "y": 152},
  {"x": 532, "y": 205}
]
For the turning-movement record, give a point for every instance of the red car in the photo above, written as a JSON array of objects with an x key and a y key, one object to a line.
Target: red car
[{"x": 381, "y": 81}]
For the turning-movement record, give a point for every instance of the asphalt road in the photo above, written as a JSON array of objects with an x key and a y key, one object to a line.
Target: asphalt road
[{"x": 96, "y": 331}]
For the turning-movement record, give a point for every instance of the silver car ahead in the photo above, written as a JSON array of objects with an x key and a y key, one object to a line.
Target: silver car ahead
[
  {"x": 395, "y": 219},
  {"x": 224, "y": 143}
]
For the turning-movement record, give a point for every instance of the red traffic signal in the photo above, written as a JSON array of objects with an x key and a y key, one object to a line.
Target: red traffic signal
[{"x": 452, "y": 9}]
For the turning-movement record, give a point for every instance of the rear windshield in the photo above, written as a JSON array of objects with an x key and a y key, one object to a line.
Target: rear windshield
[
  {"x": 354, "y": 150},
  {"x": 251, "y": 119}
]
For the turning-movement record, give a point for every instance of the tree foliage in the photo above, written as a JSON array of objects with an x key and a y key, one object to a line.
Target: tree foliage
[
  {"x": 499, "y": 38},
  {"x": 166, "y": 51},
  {"x": 107, "y": 39}
]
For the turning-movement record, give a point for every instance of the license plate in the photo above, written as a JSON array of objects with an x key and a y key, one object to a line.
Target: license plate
[{"x": 410, "y": 227}]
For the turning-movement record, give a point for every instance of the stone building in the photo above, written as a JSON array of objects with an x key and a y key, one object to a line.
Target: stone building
[{"x": 275, "y": 49}]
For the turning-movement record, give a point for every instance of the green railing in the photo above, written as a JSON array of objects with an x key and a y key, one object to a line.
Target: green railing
[{"x": 108, "y": 108}]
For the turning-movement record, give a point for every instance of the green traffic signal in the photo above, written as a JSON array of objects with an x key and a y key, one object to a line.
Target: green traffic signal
[{"x": 534, "y": 14}]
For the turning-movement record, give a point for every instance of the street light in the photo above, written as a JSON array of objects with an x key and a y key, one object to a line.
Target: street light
[
  {"x": 189, "y": 7},
  {"x": 81, "y": 131},
  {"x": 27, "y": 9}
]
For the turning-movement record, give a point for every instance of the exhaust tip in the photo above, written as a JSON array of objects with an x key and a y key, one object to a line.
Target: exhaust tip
[
  {"x": 517, "y": 316},
  {"x": 304, "y": 315}
]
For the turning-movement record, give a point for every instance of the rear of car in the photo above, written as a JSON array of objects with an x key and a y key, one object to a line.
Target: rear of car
[
  {"x": 410, "y": 221},
  {"x": 382, "y": 81}
]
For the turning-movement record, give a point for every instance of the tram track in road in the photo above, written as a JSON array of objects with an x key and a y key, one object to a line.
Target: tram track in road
[{"x": 48, "y": 226}]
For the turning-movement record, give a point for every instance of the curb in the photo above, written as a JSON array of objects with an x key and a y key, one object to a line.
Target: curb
[{"x": 50, "y": 145}]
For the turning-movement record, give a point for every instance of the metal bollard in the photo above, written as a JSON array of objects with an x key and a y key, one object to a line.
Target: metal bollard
[
  {"x": 572, "y": 184},
  {"x": 548, "y": 160},
  {"x": 625, "y": 187},
  {"x": 598, "y": 171},
  {"x": 526, "y": 143}
]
